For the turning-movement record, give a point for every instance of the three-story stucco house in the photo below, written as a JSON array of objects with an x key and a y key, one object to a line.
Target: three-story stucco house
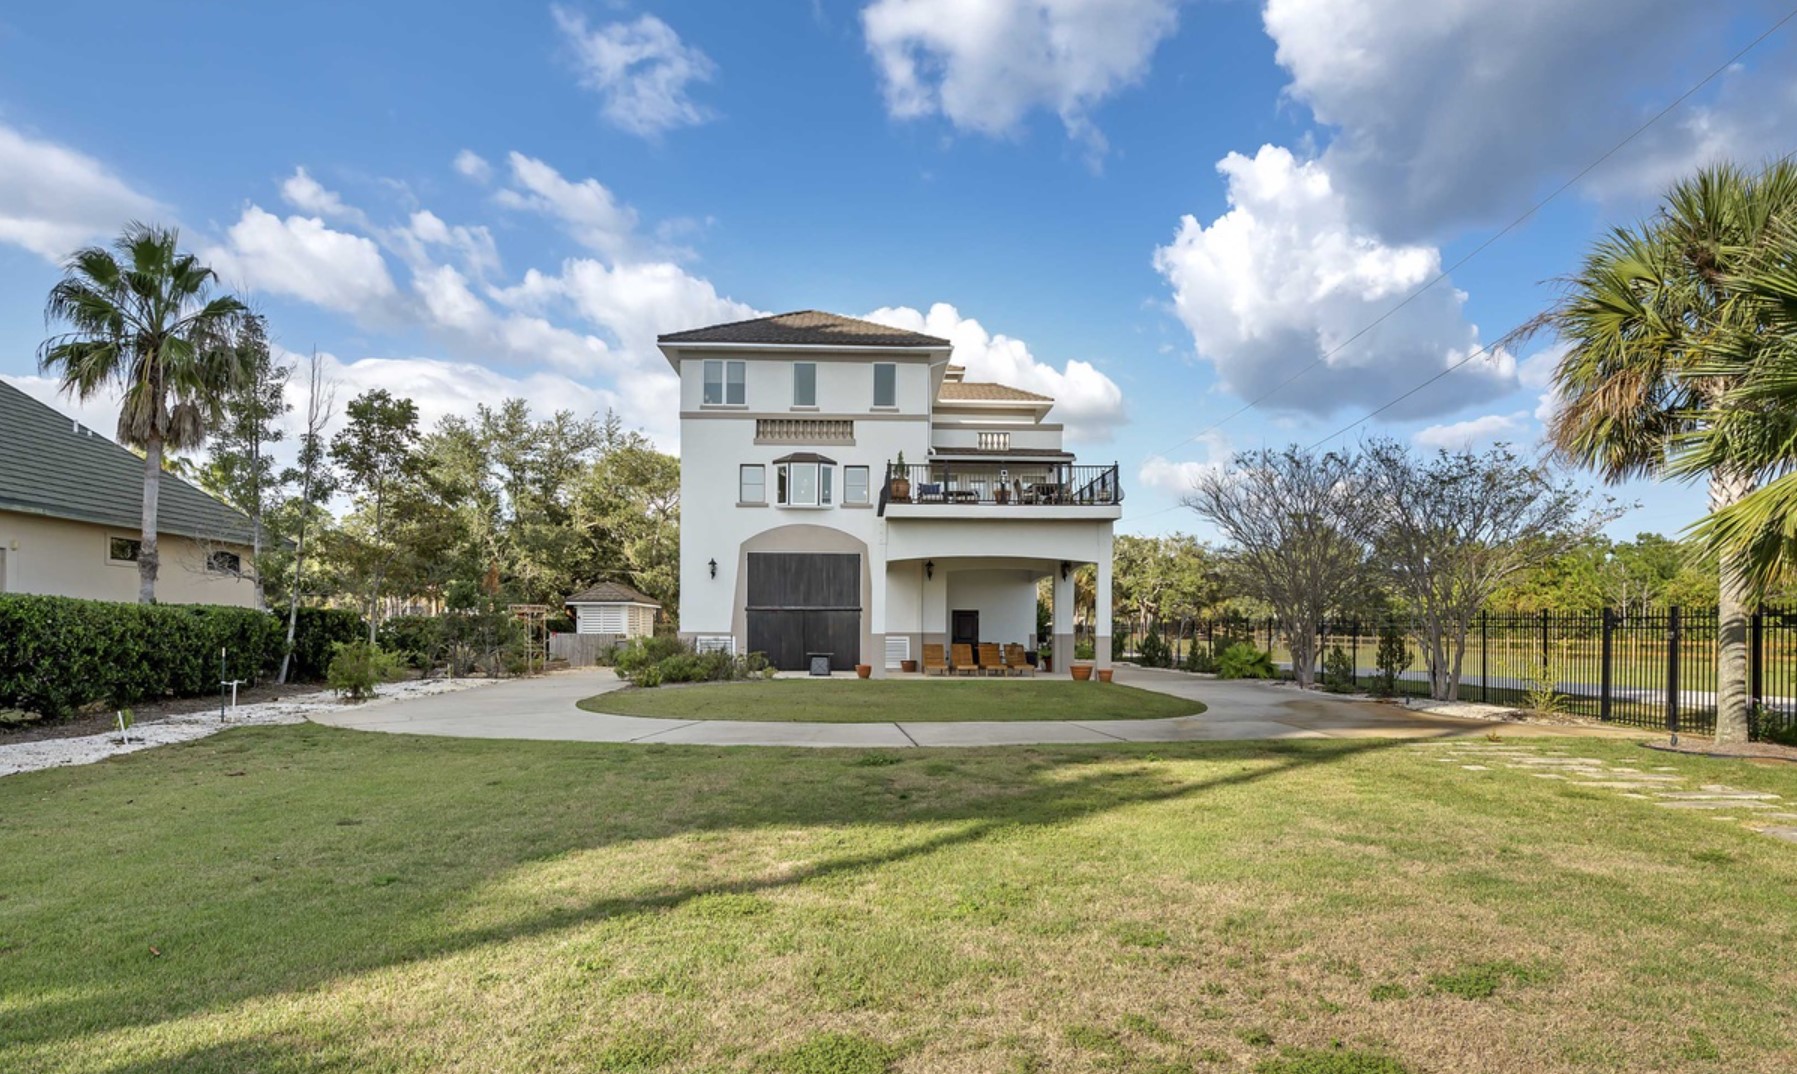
[{"x": 844, "y": 489}]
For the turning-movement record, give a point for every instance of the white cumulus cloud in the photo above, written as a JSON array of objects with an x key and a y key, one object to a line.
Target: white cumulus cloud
[
  {"x": 1089, "y": 403},
  {"x": 1285, "y": 277},
  {"x": 1447, "y": 113},
  {"x": 985, "y": 64},
  {"x": 592, "y": 213},
  {"x": 303, "y": 257},
  {"x": 471, "y": 165},
  {"x": 1474, "y": 431},
  {"x": 640, "y": 69},
  {"x": 54, "y": 200}
]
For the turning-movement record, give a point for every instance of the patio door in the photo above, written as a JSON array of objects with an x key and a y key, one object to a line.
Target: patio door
[
  {"x": 805, "y": 602},
  {"x": 965, "y": 628}
]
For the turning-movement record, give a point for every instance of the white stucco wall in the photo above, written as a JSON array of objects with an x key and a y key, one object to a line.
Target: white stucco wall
[
  {"x": 1005, "y": 599},
  {"x": 58, "y": 557}
]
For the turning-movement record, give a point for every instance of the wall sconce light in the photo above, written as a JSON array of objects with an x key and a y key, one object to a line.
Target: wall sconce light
[
  {"x": 929, "y": 569},
  {"x": 1066, "y": 569},
  {"x": 714, "y": 568}
]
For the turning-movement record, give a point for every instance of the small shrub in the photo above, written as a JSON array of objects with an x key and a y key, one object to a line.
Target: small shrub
[
  {"x": 1391, "y": 660},
  {"x": 1338, "y": 671},
  {"x": 1084, "y": 650},
  {"x": 1541, "y": 688},
  {"x": 357, "y": 668},
  {"x": 1199, "y": 658},
  {"x": 1244, "y": 661},
  {"x": 647, "y": 678},
  {"x": 1152, "y": 652}
]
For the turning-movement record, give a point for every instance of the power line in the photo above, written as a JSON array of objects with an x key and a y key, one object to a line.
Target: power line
[{"x": 1476, "y": 251}]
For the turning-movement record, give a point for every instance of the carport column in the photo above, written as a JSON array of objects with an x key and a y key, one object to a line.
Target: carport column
[
  {"x": 1101, "y": 639},
  {"x": 1063, "y": 620},
  {"x": 876, "y": 621}
]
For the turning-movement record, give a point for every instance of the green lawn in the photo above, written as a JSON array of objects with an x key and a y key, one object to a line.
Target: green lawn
[
  {"x": 882, "y": 701},
  {"x": 302, "y": 898}
]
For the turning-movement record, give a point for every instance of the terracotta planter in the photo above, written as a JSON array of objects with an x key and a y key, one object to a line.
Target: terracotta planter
[
  {"x": 901, "y": 489},
  {"x": 1104, "y": 674},
  {"x": 1082, "y": 672},
  {"x": 909, "y": 667},
  {"x": 862, "y": 671}
]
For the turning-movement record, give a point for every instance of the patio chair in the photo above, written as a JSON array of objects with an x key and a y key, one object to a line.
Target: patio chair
[
  {"x": 934, "y": 660},
  {"x": 1015, "y": 662},
  {"x": 960, "y": 659},
  {"x": 992, "y": 662}
]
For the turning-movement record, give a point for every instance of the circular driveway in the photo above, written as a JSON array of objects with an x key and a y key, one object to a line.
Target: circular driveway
[{"x": 544, "y": 708}]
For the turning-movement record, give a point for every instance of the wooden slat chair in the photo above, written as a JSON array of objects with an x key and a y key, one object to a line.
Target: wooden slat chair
[
  {"x": 992, "y": 662},
  {"x": 934, "y": 660},
  {"x": 961, "y": 659},
  {"x": 1015, "y": 662}
]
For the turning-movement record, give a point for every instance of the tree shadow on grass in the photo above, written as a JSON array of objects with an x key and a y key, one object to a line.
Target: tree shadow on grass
[{"x": 378, "y": 927}]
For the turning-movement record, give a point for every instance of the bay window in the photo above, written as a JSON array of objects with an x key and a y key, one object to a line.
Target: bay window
[{"x": 804, "y": 480}]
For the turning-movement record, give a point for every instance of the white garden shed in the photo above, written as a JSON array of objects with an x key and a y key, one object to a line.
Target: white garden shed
[{"x": 613, "y": 608}]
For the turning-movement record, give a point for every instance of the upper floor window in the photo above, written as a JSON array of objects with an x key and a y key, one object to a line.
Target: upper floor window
[
  {"x": 751, "y": 483},
  {"x": 724, "y": 383},
  {"x": 803, "y": 484},
  {"x": 854, "y": 484},
  {"x": 804, "y": 384},
  {"x": 885, "y": 384}
]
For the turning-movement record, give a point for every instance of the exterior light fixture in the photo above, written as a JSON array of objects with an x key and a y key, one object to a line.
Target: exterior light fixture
[
  {"x": 929, "y": 569},
  {"x": 1066, "y": 569},
  {"x": 714, "y": 568}
]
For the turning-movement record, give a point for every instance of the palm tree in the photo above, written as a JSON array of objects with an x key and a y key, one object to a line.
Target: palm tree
[
  {"x": 146, "y": 320},
  {"x": 1656, "y": 339}
]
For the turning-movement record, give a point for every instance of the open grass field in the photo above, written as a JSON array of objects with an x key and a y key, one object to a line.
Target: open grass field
[
  {"x": 302, "y": 898},
  {"x": 888, "y": 700}
]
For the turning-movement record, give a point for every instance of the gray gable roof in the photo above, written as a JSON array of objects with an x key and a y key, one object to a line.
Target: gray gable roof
[
  {"x": 806, "y": 328},
  {"x": 51, "y": 466}
]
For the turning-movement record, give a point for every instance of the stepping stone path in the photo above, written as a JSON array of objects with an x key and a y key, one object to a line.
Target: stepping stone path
[{"x": 1765, "y": 813}]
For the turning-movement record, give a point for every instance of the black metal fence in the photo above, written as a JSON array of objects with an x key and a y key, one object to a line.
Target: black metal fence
[
  {"x": 1643, "y": 667},
  {"x": 1018, "y": 482}
]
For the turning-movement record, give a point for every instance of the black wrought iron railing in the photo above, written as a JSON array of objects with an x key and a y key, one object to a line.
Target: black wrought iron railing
[{"x": 1029, "y": 485}]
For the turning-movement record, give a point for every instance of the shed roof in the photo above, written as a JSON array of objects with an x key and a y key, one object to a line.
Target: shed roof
[{"x": 611, "y": 593}]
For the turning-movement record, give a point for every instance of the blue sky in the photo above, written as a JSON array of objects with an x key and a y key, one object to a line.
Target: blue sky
[{"x": 1154, "y": 210}]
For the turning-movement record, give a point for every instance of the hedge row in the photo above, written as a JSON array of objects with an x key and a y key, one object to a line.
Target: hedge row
[{"x": 58, "y": 654}]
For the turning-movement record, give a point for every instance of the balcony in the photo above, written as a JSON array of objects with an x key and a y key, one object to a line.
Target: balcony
[{"x": 1023, "y": 485}]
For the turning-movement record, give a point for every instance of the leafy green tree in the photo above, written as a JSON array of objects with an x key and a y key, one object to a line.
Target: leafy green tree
[
  {"x": 1658, "y": 340},
  {"x": 142, "y": 315},
  {"x": 240, "y": 467},
  {"x": 377, "y": 454},
  {"x": 626, "y": 511}
]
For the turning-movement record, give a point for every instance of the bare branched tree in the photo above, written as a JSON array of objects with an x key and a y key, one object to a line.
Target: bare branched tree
[
  {"x": 1299, "y": 535},
  {"x": 315, "y": 483},
  {"x": 1452, "y": 527}
]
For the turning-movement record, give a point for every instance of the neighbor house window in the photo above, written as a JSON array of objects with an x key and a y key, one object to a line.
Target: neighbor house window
[
  {"x": 224, "y": 562},
  {"x": 123, "y": 549},
  {"x": 803, "y": 484},
  {"x": 723, "y": 383},
  {"x": 885, "y": 384},
  {"x": 804, "y": 384},
  {"x": 854, "y": 484},
  {"x": 751, "y": 485}
]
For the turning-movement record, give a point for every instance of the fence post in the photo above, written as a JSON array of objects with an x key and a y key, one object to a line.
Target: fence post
[
  {"x": 1546, "y": 660},
  {"x": 1484, "y": 664},
  {"x": 1756, "y": 661},
  {"x": 1354, "y": 652},
  {"x": 1672, "y": 648},
  {"x": 1603, "y": 671}
]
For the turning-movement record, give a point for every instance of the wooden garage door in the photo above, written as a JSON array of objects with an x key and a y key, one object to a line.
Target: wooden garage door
[{"x": 805, "y": 602}]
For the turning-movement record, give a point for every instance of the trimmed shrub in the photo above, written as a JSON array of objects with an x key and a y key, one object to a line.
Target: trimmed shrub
[
  {"x": 316, "y": 633},
  {"x": 1244, "y": 661},
  {"x": 1391, "y": 659},
  {"x": 358, "y": 667},
  {"x": 416, "y": 640},
  {"x": 1153, "y": 652},
  {"x": 58, "y": 654},
  {"x": 658, "y": 660},
  {"x": 1199, "y": 658},
  {"x": 1338, "y": 671}
]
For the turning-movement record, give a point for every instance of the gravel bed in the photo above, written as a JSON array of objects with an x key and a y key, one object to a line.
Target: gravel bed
[{"x": 31, "y": 755}]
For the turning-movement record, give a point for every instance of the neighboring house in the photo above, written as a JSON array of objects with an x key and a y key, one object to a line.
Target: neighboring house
[
  {"x": 613, "y": 608},
  {"x": 71, "y": 514},
  {"x": 800, "y": 532}
]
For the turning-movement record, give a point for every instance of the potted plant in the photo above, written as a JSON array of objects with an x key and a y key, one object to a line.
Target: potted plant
[
  {"x": 862, "y": 671},
  {"x": 1104, "y": 674},
  {"x": 1082, "y": 672},
  {"x": 901, "y": 483},
  {"x": 909, "y": 667}
]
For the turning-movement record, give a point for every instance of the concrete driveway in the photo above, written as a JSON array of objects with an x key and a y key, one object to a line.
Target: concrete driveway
[{"x": 544, "y": 708}]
